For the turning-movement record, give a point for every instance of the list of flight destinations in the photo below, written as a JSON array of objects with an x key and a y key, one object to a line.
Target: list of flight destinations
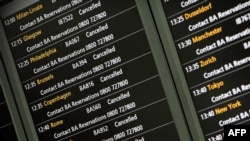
[
  {"x": 212, "y": 39},
  {"x": 88, "y": 72}
]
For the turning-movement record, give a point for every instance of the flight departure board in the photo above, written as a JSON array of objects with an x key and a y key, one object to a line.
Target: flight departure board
[
  {"x": 212, "y": 41},
  {"x": 87, "y": 71}
]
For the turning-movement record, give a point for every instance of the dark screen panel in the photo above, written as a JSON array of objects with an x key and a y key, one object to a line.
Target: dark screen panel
[
  {"x": 87, "y": 71},
  {"x": 212, "y": 41}
]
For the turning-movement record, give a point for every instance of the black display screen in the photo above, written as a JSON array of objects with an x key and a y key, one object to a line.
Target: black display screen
[
  {"x": 213, "y": 44},
  {"x": 88, "y": 72}
]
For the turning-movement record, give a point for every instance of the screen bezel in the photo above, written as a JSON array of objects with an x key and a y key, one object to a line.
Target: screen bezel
[{"x": 176, "y": 70}]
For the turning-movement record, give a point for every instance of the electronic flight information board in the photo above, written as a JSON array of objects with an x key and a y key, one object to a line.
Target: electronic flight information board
[
  {"x": 130, "y": 70},
  {"x": 211, "y": 41},
  {"x": 85, "y": 69}
]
